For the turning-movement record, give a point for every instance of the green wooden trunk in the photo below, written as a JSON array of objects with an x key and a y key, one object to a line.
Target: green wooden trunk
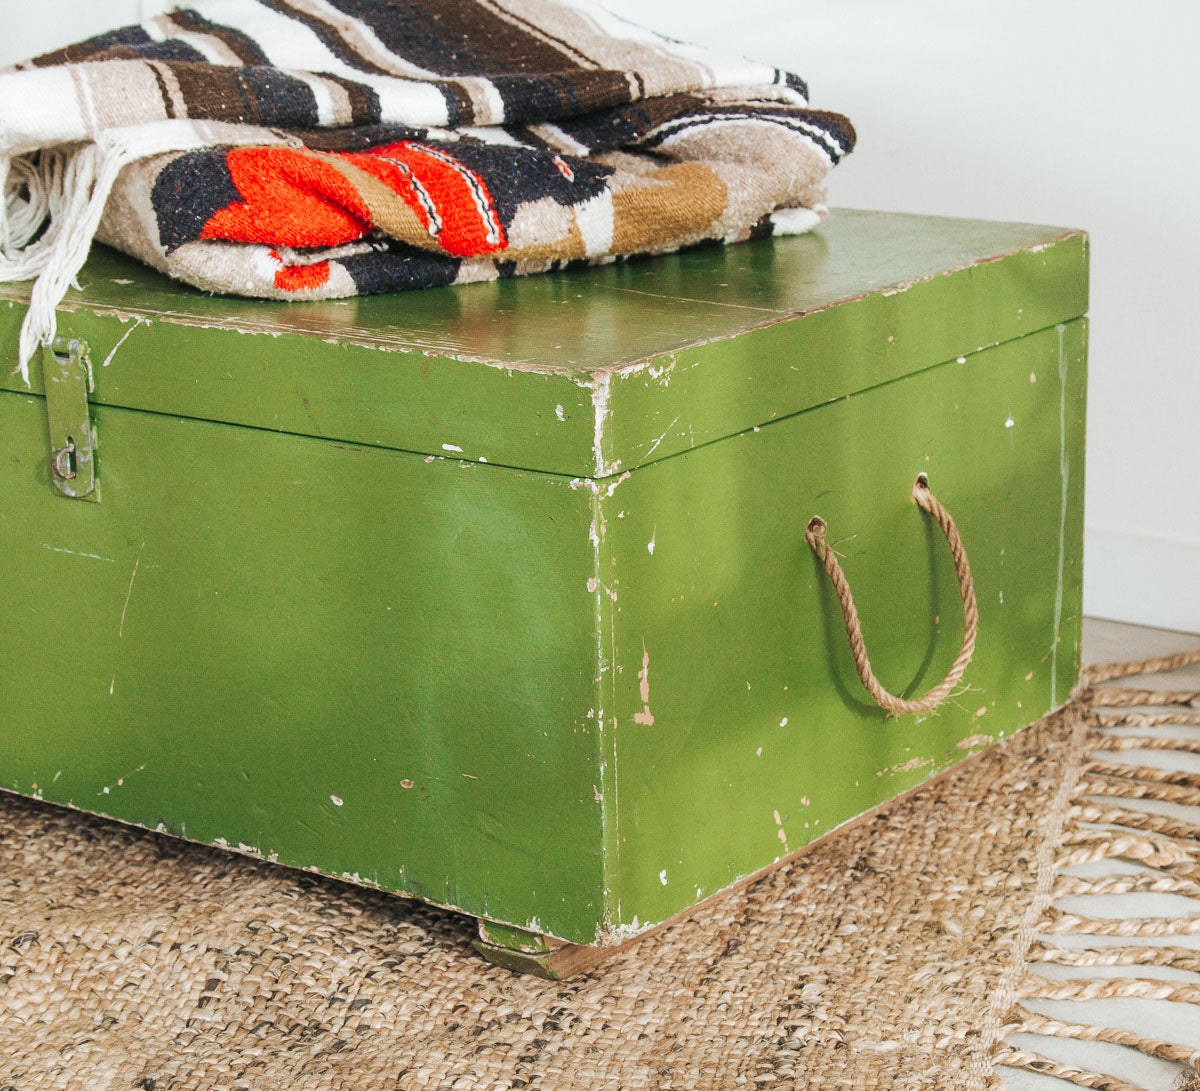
[{"x": 498, "y": 596}]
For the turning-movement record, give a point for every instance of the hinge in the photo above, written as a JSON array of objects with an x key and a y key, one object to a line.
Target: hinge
[{"x": 67, "y": 375}]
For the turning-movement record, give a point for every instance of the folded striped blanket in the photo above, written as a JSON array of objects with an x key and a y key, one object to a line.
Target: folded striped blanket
[{"x": 302, "y": 149}]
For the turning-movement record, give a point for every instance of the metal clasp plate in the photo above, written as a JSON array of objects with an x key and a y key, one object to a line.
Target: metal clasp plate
[{"x": 67, "y": 376}]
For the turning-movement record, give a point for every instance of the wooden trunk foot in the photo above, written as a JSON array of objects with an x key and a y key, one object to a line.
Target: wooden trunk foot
[{"x": 526, "y": 952}]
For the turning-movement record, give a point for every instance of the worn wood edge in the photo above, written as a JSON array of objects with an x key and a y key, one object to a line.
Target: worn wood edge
[
  {"x": 623, "y": 369},
  {"x": 563, "y": 958},
  {"x": 15, "y": 296},
  {"x": 557, "y": 964},
  {"x": 570, "y": 959}
]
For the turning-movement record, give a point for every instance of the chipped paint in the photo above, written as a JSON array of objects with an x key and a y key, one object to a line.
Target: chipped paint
[
  {"x": 780, "y": 832},
  {"x": 973, "y": 741},
  {"x": 120, "y": 782},
  {"x": 335, "y": 801},
  {"x": 645, "y": 717},
  {"x": 658, "y": 442},
  {"x": 74, "y": 553},
  {"x": 662, "y": 876},
  {"x": 601, "y": 391},
  {"x": 662, "y": 373},
  {"x": 452, "y": 447},
  {"x": 559, "y": 412},
  {"x": 1064, "y": 470},
  {"x": 653, "y": 539},
  {"x": 129, "y": 593},
  {"x": 138, "y": 320},
  {"x": 611, "y": 487}
]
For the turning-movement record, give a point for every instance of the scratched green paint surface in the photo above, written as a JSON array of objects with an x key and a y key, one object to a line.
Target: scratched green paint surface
[
  {"x": 741, "y": 730},
  {"x": 302, "y": 622}
]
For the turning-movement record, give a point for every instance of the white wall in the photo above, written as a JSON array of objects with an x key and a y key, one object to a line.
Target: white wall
[
  {"x": 1073, "y": 112},
  {"x": 29, "y": 29}
]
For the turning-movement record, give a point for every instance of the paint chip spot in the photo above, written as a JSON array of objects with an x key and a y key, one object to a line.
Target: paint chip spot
[
  {"x": 1009, "y": 423},
  {"x": 982, "y": 711},
  {"x": 336, "y": 802},
  {"x": 758, "y": 752},
  {"x": 1033, "y": 376},
  {"x": 406, "y": 784},
  {"x": 558, "y": 412},
  {"x": 451, "y": 447},
  {"x": 783, "y": 722},
  {"x": 1029, "y": 677},
  {"x": 662, "y": 876},
  {"x": 645, "y": 717},
  {"x": 650, "y": 544}
]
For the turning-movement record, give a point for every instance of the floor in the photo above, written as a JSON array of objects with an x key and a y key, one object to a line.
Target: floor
[{"x": 1104, "y": 641}]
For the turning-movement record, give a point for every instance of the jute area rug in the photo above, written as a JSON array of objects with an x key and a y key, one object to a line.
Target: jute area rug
[{"x": 896, "y": 954}]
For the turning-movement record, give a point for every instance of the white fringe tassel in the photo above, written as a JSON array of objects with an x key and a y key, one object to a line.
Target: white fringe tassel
[
  {"x": 68, "y": 186},
  {"x": 64, "y": 188}
]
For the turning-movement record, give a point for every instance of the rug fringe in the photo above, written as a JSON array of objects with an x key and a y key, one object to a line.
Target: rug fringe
[
  {"x": 1102, "y": 825},
  {"x": 1044, "y": 1066},
  {"x": 1107, "y": 672},
  {"x": 1029, "y": 1022}
]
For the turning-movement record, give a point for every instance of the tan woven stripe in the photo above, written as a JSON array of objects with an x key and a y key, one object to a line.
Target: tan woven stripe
[
  {"x": 1108, "y": 988},
  {"x": 1128, "y": 698},
  {"x": 1081, "y": 1077},
  {"x": 1104, "y": 672},
  {"x": 1145, "y": 742},
  {"x": 1145, "y": 719},
  {"x": 1181, "y": 958},
  {"x": 1074, "y": 886},
  {"x": 1060, "y": 923},
  {"x": 1033, "y": 1023}
]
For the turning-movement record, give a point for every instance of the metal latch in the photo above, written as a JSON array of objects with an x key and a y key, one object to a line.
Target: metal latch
[{"x": 67, "y": 376}]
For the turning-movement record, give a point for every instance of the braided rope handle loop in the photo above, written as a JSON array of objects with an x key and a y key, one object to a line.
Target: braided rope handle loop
[{"x": 815, "y": 536}]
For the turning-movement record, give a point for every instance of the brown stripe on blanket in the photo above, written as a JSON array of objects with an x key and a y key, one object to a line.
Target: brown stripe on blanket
[
  {"x": 243, "y": 47},
  {"x": 448, "y": 140}
]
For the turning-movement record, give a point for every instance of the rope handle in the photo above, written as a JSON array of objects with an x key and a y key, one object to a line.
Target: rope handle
[{"x": 815, "y": 536}]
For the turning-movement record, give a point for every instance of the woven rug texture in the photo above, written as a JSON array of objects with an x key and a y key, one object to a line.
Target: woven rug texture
[
  {"x": 882, "y": 959},
  {"x": 964, "y": 930}
]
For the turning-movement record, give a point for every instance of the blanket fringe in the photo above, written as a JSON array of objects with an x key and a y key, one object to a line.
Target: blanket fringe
[
  {"x": 1105, "y": 823},
  {"x": 54, "y": 199},
  {"x": 60, "y": 192}
]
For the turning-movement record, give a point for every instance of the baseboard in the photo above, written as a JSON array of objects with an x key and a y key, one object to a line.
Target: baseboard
[{"x": 1140, "y": 579}]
